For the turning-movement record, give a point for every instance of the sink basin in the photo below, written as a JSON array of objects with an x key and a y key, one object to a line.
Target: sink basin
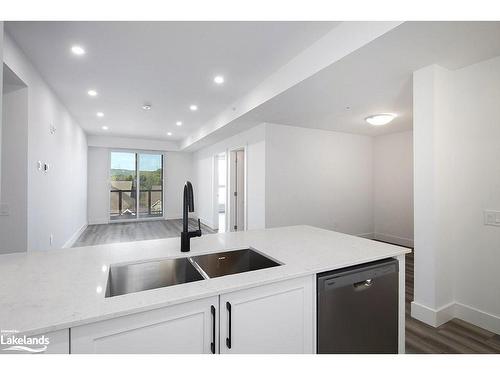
[
  {"x": 231, "y": 262},
  {"x": 136, "y": 277}
]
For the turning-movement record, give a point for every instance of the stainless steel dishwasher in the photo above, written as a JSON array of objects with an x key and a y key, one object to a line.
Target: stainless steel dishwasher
[{"x": 358, "y": 309}]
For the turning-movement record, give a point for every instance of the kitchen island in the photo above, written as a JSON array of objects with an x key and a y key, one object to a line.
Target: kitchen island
[{"x": 62, "y": 294}]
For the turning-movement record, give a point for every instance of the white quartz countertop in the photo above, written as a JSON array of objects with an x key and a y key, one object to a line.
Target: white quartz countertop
[{"x": 50, "y": 290}]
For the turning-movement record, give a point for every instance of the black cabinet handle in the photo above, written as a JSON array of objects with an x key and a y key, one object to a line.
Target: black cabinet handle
[
  {"x": 228, "y": 339},
  {"x": 212, "y": 344}
]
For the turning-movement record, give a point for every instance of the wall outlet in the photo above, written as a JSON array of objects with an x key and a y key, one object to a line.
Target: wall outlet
[
  {"x": 492, "y": 217},
  {"x": 4, "y": 209}
]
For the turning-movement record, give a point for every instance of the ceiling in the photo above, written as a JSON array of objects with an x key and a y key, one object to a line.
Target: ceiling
[
  {"x": 172, "y": 64},
  {"x": 169, "y": 65},
  {"x": 377, "y": 78}
]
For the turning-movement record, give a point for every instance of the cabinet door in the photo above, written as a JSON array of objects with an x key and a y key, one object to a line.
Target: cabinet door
[
  {"x": 183, "y": 328},
  {"x": 274, "y": 318}
]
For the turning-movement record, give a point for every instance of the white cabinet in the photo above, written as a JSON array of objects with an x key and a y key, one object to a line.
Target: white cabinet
[
  {"x": 58, "y": 342},
  {"x": 274, "y": 318},
  {"x": 183, "y": 328}
]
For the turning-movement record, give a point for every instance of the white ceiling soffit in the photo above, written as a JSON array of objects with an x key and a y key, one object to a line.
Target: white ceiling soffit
[
  {"x": 333, "y": 46},
  {"x": 169, "y": 65},
  {"x": 376, "y": 78}
]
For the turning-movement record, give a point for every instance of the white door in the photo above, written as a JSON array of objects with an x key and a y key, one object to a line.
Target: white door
[
  {"x": 274, "y": 318},
  {"x": 237, "y": 192},
  {"x": 190, "y": 327}
]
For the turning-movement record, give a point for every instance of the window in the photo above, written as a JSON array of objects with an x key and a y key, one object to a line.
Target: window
[{"x": 136, "y": 185}]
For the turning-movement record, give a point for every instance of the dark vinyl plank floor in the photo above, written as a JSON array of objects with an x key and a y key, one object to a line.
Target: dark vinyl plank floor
[
  {"x": 134, "y": 231},
  {"x": 453, "y": 337}
]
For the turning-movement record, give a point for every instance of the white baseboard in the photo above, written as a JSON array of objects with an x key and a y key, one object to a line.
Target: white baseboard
[
  {"x": 173, "y": 217},
  {"x": 431, "y": 316},
  {"x": 407, "y": 242},
  {"x": 455, "y": 310},
  {"x": 99, "y": 221},
  {"x": 74, "y": 237},
  {"x": 366, "y": 235},
  {"x": 477, "y": 317}
]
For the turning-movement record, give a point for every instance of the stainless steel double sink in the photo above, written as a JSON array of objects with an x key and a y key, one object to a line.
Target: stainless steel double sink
[{"x": 136, "y": 277}]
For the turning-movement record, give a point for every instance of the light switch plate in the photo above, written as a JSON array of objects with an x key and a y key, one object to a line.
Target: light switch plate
[
  {"x": 4, "y": 209},
  {"x": 492, "y": 217}
]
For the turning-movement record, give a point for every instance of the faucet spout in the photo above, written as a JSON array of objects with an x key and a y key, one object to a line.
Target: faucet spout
[{"x": 188, "y": 206}]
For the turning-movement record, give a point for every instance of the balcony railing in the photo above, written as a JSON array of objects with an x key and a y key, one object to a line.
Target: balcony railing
[{"x": 127, "y": 202}]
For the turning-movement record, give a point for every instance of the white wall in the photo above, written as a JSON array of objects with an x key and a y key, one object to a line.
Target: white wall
[
  {"x": 98, "y": 185},
  {"x": 57, "y": 201},
  {"x": 254, "y": 140},
  {"x": 1, "y": 87},
  {"x": 131, "y": 143},
  {"x": 14, "y": 161},
  {"x": 177, "y": 170},
  {"x": 457, "y": 176},
  {"x": 393, "y": 188},
  {"x": 319, "y": 177}
]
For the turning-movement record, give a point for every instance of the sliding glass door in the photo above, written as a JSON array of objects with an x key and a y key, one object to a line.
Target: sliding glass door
[
  {"x": 136, "y": 186},
  {"x": 150, "y": 185}
]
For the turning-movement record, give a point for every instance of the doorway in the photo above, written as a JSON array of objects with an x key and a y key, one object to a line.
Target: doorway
[
  {"x": 237, "y": 190},
  {"x": 220, "y": 196},
  {"x": 136, "y": 185}
]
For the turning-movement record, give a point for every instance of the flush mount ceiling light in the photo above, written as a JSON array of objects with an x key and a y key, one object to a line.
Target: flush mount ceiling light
[
  {"x": 99, "y": 114},
  {"x": 380, "y": 119},
  {"x": 178, "y": 123},
  {"x": 146, "y": 107},
  {"x": 219, "y": 80},
  {"x": 78, "y": 50},
  {"x": 104, "y": 127},
  {"x": 92, "y": 93},
  {"x": 169, "y": 134},
  {"x": 193, "y": 107}
]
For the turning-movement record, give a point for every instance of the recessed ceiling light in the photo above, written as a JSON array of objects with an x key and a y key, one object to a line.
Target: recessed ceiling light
[
  {"x": 193, "y": 107},
  {"x": 78, "y": 50},
  {"x": 380, "y": 119},
  {"x": 178, "y": 123},
  {"x": 146, "y": 107},
  {"x": 100, "y": 114},
  {"x": 169, "y": 134},
  {"x": 104, "y": 127},
  {"x": 219, "y": 80},
  {"x": 92, "y": 93}
]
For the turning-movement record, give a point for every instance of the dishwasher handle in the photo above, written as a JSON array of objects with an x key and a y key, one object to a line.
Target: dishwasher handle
[
  {"x": 359, "y": 277},
  {"x": 362, "y": 285}
]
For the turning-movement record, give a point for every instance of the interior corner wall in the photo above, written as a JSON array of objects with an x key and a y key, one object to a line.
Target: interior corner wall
[
  {"x": 457, "y": 177},
  {"x": 57, "y": 200},
  {"x": 393, "y": 188},
  {"x": 318, "y": 177},
  {"x": 203, "y": 164}
]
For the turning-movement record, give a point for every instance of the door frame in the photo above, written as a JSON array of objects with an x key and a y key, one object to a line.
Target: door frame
[
  {"x": 137, "y": 152},
  {"x": 215, "y": 191},
  {"x": 229, "y": 202}
]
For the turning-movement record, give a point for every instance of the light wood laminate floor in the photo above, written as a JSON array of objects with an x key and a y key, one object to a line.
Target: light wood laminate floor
[
  {"x": 456, "y": 336},
  {"x": 134, "y": 231}
]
